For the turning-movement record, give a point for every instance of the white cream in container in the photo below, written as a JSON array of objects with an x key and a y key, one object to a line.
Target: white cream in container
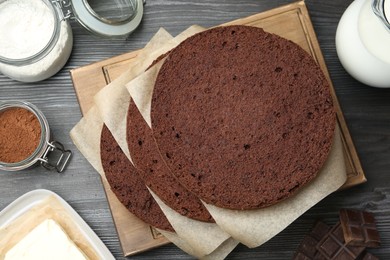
[{"x": 46, "y": 241}]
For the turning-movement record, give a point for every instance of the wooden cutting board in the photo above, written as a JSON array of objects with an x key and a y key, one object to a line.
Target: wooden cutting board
[{"x": 290, "y": 21}]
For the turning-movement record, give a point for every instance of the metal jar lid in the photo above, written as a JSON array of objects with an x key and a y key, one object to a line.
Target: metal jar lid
[{"x": 104, "y": 18}]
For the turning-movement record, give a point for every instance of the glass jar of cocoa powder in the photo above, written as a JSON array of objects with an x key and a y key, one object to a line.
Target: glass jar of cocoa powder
[{"x": 25, "y": 139}]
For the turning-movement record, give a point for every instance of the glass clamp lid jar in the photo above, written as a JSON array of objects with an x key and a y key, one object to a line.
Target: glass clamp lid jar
[
  {"x": 25, "y": 139},
  {"x": 104, "y": 18},
  {"x": 363, "y": 41},
  {"x": 37, "y": 39}
]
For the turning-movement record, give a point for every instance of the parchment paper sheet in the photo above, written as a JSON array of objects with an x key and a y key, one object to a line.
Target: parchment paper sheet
[
  {"x": 254, "y": 227},
  {"x": 113, "y": 102},
  {"x": 113, "y": 114},
  {"x": 49, "y": 208},
  {"x": 86, "y": 136},
  {"x": 218, "y": 254},
  {"x": 203, "y": 237}
]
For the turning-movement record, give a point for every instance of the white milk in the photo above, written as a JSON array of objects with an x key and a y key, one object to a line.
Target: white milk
[{"x": 363, "y": 44}]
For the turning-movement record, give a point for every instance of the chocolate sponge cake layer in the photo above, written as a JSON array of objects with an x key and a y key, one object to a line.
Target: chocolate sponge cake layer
[
  {"x": 127, "y": 186},
  {"x": 242, "y": 117},
  {"x": 154, "y": 172}
]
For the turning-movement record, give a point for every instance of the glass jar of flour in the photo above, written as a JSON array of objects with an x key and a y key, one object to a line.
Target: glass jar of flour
[
  {"x": 36, "y": 38},
  {"x": 363, "y": 41}
]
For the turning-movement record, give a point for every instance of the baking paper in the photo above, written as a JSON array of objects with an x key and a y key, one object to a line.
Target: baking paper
[
  {"x": 111, "y": 105},
  {"x": 86, "y": 136},
  {"x": 203, "y": 237},
  {"x": 113, "y": 102},
  {"x": 220, "y": 253},
  {"x": 113, "y": 113},
  {"x": 254, "y": 227}
]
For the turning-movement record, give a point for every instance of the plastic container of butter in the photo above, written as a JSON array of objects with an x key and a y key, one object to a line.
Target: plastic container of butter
[{"x": 32, "y": 208}]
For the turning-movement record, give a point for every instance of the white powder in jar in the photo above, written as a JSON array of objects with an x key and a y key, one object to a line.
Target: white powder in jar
[{"x": 26, "y": 28}]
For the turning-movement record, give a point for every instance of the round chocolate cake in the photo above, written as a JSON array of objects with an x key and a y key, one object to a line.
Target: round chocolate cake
[
  {"x": 127, "y": 186},
  {"x": 154, "y": 172},
  {"x": 243, "y": 118}
]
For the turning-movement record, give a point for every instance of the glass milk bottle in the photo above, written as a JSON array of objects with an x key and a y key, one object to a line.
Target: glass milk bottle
[{"x": 363, "y": 42}]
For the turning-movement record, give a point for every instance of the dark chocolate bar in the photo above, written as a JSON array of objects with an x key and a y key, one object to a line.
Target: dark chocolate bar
[
  {"x": 333, "y": 245},
  {"x": 359, "y": 228},
  {"x": 307, "y": 249}
]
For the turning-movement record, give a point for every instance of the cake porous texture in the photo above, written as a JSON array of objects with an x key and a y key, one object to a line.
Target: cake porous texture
[
  {"x": 126, "y": 184},
  {"x": 243, "y": 118},
  {"x": 153, "y": 170}
]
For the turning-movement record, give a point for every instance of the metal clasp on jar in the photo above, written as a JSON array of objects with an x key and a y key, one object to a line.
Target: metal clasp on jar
[
  {"x": 66, "y": 8},
  {"x": 116, "y": 19},
  {"x": 55, "y": 157}
]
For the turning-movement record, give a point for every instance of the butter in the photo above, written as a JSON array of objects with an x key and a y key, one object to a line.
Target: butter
[{"x": 46, "y": 241}]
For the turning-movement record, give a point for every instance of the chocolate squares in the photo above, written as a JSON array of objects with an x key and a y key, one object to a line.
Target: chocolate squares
[
  {"x": 346, "y": 240},
  {"x": 307, "y": 249},
  {"x": 359, "y": 228},
  {"x": 333, "y": 245}
]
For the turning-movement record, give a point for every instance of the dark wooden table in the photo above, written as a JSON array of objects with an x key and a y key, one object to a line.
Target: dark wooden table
[{"x": 366, "y": 109}]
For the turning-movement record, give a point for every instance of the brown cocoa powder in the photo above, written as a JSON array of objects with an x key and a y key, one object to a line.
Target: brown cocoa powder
[{"x": 20, "y": 134}]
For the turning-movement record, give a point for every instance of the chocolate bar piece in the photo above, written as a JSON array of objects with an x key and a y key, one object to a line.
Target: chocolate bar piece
[
  {"x": 359, "y": 228},
  {"x": 307, "y": 249},
  {"x": 333, "y": 245}
]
